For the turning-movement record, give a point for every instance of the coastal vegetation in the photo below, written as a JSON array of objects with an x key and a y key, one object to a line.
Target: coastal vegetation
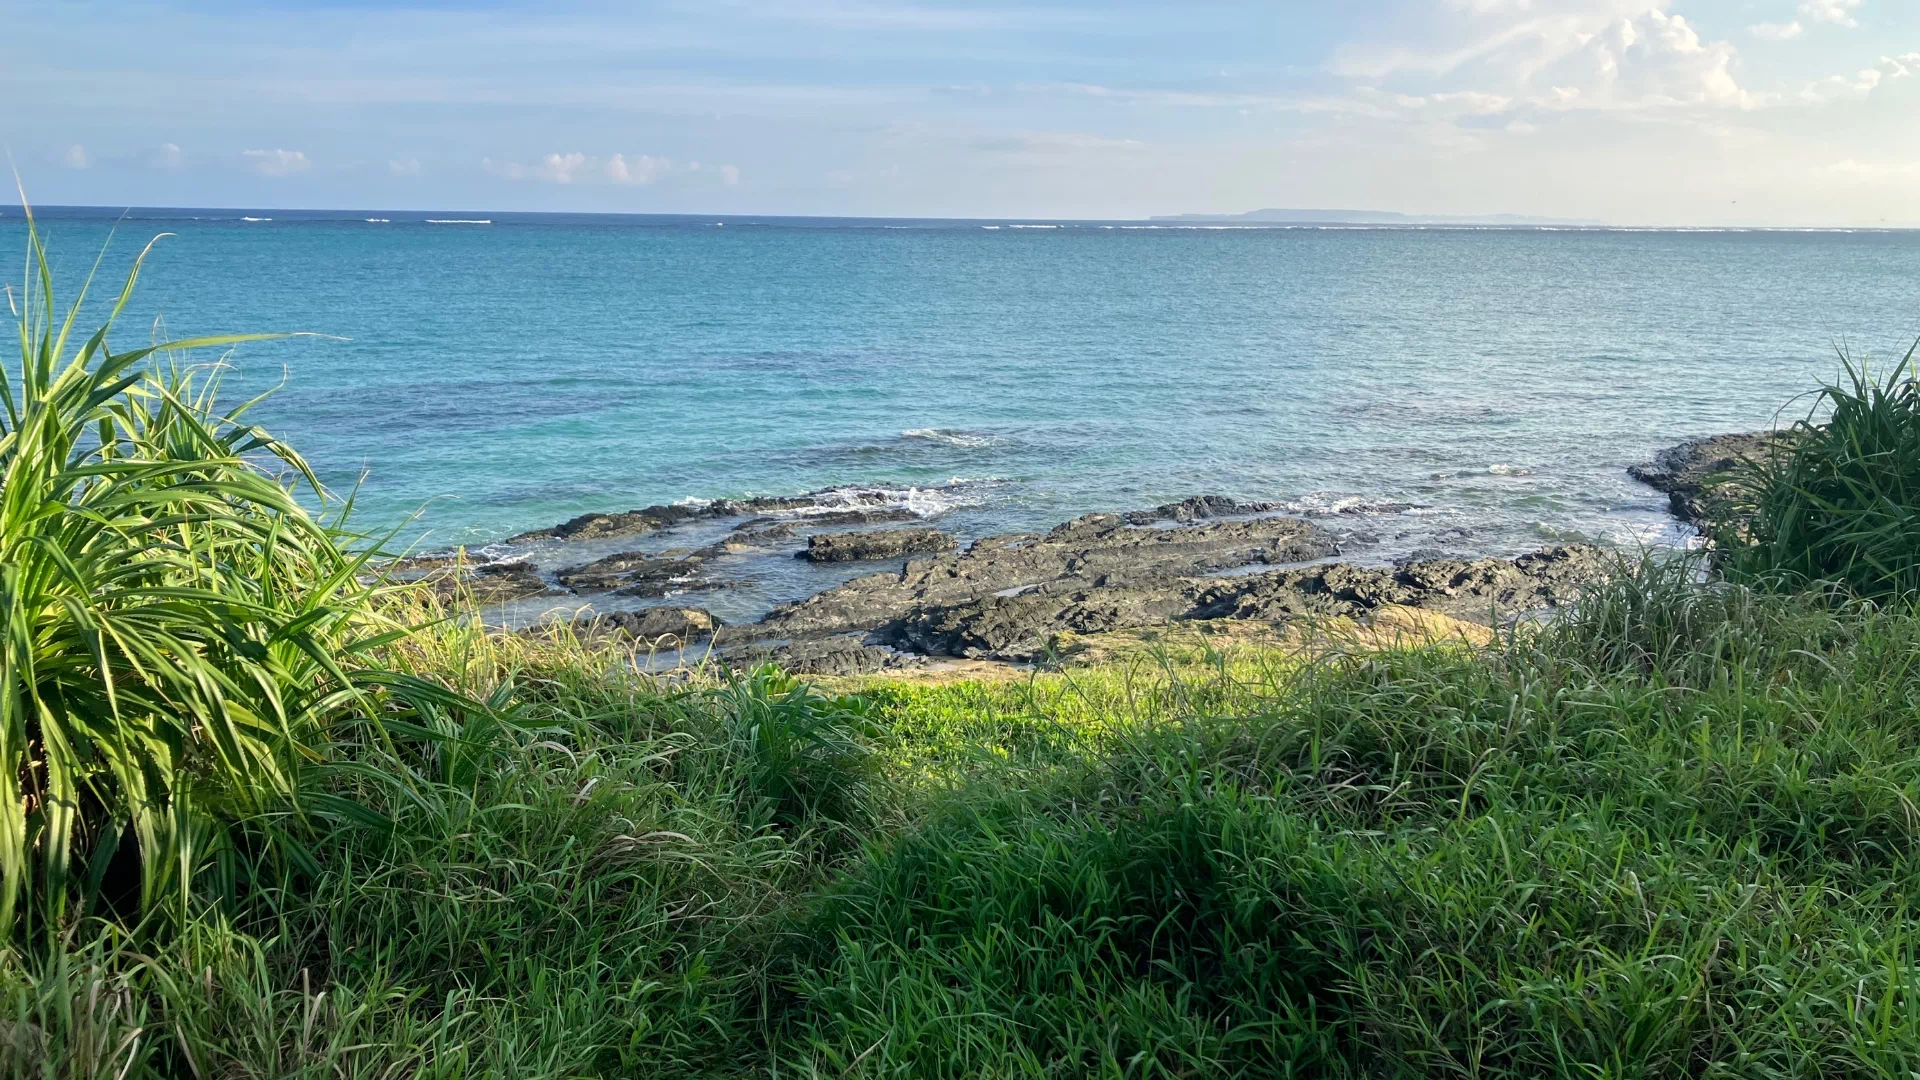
[
  {"x": 1841, "y": 507},
  {"x": 273, "y": 815}
]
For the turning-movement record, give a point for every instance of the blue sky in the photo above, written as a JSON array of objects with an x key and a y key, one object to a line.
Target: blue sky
[{"x": 1631, "y": 111}]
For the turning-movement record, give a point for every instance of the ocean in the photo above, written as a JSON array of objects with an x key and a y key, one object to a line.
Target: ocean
[{"x": 1470, "y": 390}]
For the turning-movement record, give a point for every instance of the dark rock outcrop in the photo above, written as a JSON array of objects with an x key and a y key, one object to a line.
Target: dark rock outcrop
[
  {"x": 653, "y": 626},
  {"x": 1018, "y": 597},
  {"x": 1476, "y": 590},
  {"x": 629, "y": 523},
  {"x": 1020, "y": 626},
  {"x": 760, "y": 531},
  {"x": 1197, "y": 508},
  {"x": 1695, "y": 474},
  {"x": 454, "y": 577},
  {"x": 875, "y": 544},
  {"x": 628, "y": 568},
  {"x": 1098, "y": 551},
  {"x": 833, "y": 506},
  {"x": 494, "y": 583}
]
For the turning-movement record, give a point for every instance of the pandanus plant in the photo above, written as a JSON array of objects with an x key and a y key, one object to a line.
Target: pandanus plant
[
  {"x": 1840, "y": 503},
  {"x": 177, "y": 631}
]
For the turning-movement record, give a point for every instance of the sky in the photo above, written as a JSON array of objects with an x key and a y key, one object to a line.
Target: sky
[{"x": 1657, "y": 112}]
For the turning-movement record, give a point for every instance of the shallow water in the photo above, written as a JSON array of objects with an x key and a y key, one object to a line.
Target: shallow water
[{"x": 507, "y": 376}]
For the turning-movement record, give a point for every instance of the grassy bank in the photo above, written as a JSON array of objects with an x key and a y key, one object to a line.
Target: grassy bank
[
  {"x": 1670, "y": 837},
  {"x": 273, "y": 817}
]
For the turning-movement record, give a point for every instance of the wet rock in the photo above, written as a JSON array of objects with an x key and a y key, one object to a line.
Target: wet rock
[
  {"x": 489, "y": 583},
  {"x": 881, "y": 516},
  {"x": 1696, "y": 474},
  {"x": 1361, "y": 509},
  {"x": 630, "y": 523},
  {"x": 678, "y": 586},
  {"x": 653, "y": 626},
  {"x": 831, "y": 506},
  {"x": 456, "y": 575},
  {"x": 875, "y": 544},
  {"x": 628, "y": 568},
  {"x": 414, "y": 566},
  {"x": 762, "y": 531},
  {"x": 1197, "y": 508}
]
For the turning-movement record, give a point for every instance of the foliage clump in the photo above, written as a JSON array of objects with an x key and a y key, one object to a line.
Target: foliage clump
[
  {"x": 1842, "y": 508},
  {"x": 178, "y": 633}
]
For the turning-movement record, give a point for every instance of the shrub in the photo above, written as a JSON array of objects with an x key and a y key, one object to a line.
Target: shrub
[
  {"x": 177, "y": 628},
  {"x": 1844, "y": 505}
]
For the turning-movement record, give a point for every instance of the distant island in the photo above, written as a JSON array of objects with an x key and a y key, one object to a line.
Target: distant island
[{"x": 1368, "y": 217}]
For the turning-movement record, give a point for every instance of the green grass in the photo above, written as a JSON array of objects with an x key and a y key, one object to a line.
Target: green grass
[
  {"x": 1670, "y": 834},
  {"x": 1526, "y": 863}
]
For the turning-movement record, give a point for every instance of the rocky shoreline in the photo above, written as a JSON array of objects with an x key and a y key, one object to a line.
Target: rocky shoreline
[
  {"x": 1206, "y": 563},
  {"x": 1697, "y": 474}
]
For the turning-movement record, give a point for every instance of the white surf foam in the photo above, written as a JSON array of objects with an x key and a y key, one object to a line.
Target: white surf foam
[
  {"x": 971, "y": 440},
  {"x": 921, "y": 501},
  {"x": 1328, "y": 503}
]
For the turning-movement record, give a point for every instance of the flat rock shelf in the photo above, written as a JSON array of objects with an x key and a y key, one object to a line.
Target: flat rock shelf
[{"x": 1206, "y": 561}]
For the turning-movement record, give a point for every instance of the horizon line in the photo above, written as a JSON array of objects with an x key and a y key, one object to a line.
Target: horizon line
[{"x": 1226, "y": 220}]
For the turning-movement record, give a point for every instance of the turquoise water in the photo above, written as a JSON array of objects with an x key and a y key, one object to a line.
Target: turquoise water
[{"x": 507, "y": 376}]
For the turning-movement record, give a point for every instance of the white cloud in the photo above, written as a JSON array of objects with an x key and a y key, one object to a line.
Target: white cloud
[
  {"x": 277, "y": 162},
  {"x": 1785, "y": 31},
  {"x": 1833, "y": 11},
  {"x": 166, "y": 156},
  {"x": 1589, "y": 54},
  {"x": 76, "y": 157},
  {"x": 1899, "y": 67},
  {"x": 640, "y": 169},
  {"x": 575, "y": 167},
  {"x": 1475, "y": 102},
  {"x": 730, "y": 175},
  {"x": 1870, "y": 172},
  {"x": 559, "y": 168},
  {"x": 404, "y": 166},
  {"x": 1861, "y": 83},
  {"x": 1839, "y": 87}
]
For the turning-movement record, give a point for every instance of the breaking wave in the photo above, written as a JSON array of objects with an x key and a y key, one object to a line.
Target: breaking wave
[{"x": 1332, "y": 503}]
